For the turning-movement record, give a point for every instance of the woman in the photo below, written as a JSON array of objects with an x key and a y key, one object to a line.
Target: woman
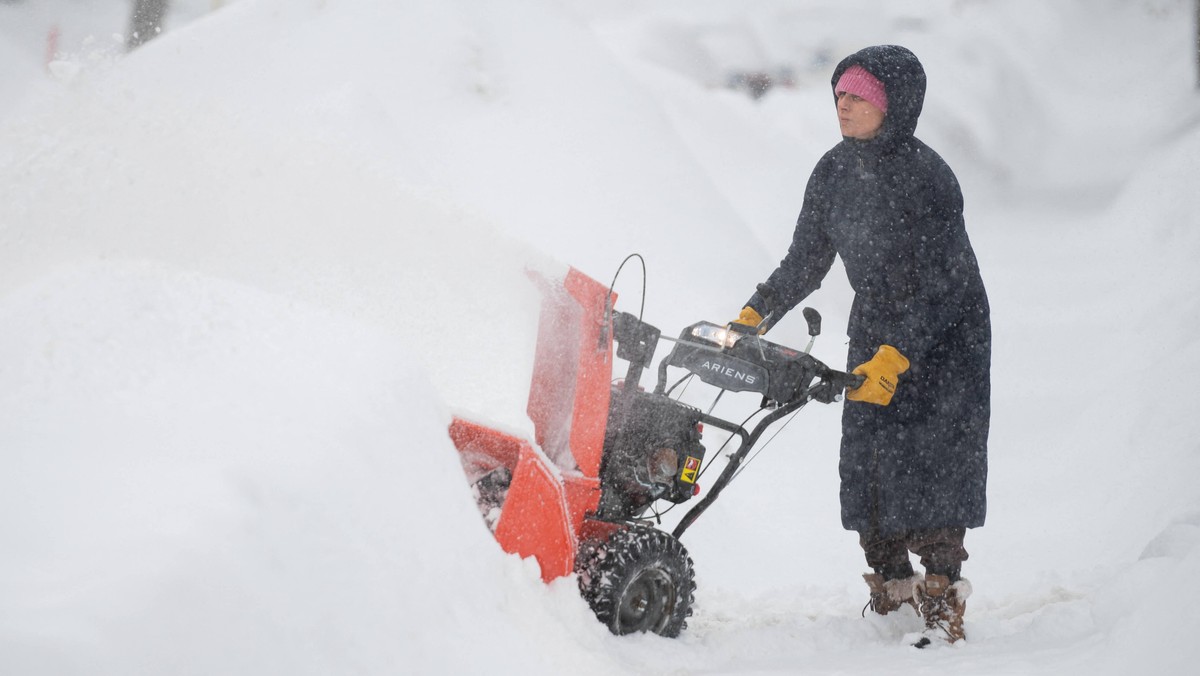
[{"x": 914, "y": 435}]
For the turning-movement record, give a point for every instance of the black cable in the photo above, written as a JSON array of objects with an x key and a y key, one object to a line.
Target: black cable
[
  {"x": 767, "y": 443},
  {"x": 642, "y": 309},
  {"x": 686, "y": 379},
  {"x": 722, "y": 448}
]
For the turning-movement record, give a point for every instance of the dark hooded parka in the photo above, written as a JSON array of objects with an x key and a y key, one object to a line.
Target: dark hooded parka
[{"x": 893, "y": 210}]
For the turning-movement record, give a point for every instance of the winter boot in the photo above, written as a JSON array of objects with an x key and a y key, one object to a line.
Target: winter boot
[
  {"x": 942, "y": 605},
  {"x": 889, "y": 595}
]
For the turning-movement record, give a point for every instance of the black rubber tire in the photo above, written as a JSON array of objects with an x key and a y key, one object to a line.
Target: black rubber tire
[{"x": 640, "y": 580}]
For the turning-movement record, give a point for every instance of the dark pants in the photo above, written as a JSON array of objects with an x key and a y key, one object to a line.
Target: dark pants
[{"x": 941, "y": 551}]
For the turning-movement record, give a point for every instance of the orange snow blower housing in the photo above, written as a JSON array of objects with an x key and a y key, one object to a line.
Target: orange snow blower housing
[
  {"x": 573, "y": 501},
  {"x": 544, "y": 506}
]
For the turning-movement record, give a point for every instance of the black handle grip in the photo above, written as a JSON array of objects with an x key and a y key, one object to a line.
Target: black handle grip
[{"x": 834, "y": 384}]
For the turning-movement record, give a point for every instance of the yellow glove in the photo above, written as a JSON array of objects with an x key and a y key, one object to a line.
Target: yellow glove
[
  {"x": 748, "y": 317},
  {"x": 881, "y": 375}
]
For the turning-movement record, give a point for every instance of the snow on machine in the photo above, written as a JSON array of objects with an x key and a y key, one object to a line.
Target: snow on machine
[{"x": 607, "y": 452}]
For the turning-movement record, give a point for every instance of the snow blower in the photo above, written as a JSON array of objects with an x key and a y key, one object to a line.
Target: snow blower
[{"x": 606, "y": 453}]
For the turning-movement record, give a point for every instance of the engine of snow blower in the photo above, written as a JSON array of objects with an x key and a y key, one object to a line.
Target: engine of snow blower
[
  {"x": 631, "y": 449},
  {"x": 652, "y": 451},
  {"x": 652, "y": 448}
]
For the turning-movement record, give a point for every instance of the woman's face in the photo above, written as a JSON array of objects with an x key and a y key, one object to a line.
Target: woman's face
[{"x": 858, "y": 117}]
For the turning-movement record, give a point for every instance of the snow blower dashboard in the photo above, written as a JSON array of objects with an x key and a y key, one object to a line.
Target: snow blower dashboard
[{"x": 743, "y": 362}]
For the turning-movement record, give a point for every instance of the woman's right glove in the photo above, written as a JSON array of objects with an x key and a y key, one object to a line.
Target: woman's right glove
[{"x": 881, "y": 374}]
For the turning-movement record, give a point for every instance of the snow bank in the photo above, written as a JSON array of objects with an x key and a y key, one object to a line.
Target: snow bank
[
  {"x": 202, "y": 477},
  {"x": 125, "y": 166}
]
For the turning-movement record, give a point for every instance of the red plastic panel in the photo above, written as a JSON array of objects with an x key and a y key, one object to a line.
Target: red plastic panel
[{"x": 533, "y": 520}]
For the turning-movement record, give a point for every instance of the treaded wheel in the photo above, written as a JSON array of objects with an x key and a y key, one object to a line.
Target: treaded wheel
[{"x": 640, "y": 580}]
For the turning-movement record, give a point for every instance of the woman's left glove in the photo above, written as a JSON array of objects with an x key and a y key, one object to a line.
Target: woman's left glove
[
  {"x": 881, "y": 374},
  {"x": 748, "y": 321},
  {"x": 748, "y": 317}
]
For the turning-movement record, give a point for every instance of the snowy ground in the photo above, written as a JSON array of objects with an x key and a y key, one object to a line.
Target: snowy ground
[{"x": 248, "y": 271}]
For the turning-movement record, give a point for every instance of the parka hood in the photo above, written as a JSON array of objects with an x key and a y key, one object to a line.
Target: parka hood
[{"x": 903, "y": 80}]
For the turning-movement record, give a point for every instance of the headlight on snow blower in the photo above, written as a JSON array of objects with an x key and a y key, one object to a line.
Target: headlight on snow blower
[{"x": 717, "y": 335}]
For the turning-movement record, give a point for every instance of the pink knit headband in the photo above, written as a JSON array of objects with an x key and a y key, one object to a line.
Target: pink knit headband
[{"x": 856, "y": 80}]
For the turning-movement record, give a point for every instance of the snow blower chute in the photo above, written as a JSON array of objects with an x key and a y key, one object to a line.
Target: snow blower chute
[{"x": 618, "y": 450}]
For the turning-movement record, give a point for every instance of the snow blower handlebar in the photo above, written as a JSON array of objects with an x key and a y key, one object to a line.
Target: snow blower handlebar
[
  {"x": 733, "y": 360},
  {"x": 748, "y": 441}
]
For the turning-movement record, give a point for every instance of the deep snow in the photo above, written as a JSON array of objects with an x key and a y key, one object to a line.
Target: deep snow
[{"x": 248, "y": 271}]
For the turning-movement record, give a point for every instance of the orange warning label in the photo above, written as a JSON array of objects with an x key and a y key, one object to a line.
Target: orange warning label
[{"x": 691, "y": 466}]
